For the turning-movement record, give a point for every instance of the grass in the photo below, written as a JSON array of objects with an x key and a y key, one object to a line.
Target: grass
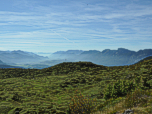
[
  {"x": 138, "y": 97},
  {"x": 51, "y": 90}
]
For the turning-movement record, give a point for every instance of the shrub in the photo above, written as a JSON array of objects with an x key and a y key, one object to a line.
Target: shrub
[
  {"x": 82, "y": 105},
  {"x": 138, "y": 97},
  {"x": 118, "y": 89}
]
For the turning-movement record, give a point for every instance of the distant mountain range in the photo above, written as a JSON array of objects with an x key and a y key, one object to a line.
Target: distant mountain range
[
  {"x": 20, "y": 57},
  {"x": 107, "y": 57}
]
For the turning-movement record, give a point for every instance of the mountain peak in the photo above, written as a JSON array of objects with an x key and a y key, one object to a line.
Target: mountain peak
[
  {"x": 105, "y": 50},
  {"x": 18, "y": 50},
  {"x": 77, "y": 52},
  {"x": 122, "y": 49}
]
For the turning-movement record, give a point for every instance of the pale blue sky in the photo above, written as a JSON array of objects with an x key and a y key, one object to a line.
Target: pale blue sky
[{"x": 60, "y": 25}]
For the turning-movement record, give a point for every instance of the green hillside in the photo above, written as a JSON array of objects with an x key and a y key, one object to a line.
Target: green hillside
[{"x": 50, "y": 90}]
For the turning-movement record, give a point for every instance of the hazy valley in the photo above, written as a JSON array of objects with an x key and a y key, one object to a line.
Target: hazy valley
[{"x": 107, "y": 57}]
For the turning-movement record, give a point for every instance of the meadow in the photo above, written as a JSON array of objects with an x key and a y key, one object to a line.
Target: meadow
[{"x": 77, "y": 87}]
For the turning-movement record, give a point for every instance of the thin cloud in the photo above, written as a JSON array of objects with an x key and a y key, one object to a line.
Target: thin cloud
[{"x": 76, "y": 23}]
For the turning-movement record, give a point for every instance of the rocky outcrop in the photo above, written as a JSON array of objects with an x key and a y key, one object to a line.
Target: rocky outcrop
[{"x": 128, "y": 111}]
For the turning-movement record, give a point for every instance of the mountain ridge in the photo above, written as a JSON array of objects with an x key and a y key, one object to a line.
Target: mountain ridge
[
  {"x": 20, "y": 57},
  {"x": 121, "y": 56},
  {"x": 107, "y": 57}
]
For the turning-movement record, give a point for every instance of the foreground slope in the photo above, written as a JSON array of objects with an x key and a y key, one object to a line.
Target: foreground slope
[{"x": 51, "y": 89}]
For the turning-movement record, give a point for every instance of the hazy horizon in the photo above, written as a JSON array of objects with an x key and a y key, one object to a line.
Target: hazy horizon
[
  {"x": 48, "y": 54},
  {"x": 50, "y": 26}
]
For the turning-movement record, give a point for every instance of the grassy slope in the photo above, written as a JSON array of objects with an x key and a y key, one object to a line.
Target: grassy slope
[{"x": 52, "y": 88}]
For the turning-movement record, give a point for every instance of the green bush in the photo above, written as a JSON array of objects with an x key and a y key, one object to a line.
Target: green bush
[
  {"x": 121, "y": 87},
  {"x": 118, "y": 89}
]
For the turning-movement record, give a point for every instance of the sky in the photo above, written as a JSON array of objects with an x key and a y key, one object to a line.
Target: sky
[{"x": 48, "y": 26}]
